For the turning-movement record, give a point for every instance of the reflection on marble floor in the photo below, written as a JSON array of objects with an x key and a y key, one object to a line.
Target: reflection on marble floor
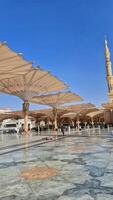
[{"x": 72, "y": 168}]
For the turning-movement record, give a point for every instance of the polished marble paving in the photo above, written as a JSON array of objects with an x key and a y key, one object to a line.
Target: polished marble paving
[{"x": 69, "y": 168}]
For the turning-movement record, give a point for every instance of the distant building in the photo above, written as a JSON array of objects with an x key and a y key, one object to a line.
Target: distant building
[{"x": 17, "y": 124}]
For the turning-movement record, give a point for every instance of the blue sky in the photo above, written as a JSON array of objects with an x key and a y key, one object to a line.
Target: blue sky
[{"x": 65, "y": 37}]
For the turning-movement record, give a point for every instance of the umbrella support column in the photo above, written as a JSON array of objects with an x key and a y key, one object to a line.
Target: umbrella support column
[
  {"x": 56, "y": 123},
  {"x": 25, "y": 111},
  {"x": 78, "y": 123},
  {"x": 55, "y": 118},
  {"x": 92, "y": 122},
  {"x": 38, "y": 128}
]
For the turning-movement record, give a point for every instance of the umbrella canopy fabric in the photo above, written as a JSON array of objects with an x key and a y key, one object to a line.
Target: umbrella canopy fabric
[
  {"x": 69, "y": 115},
  {"x": 68, "y": 111},
  {"x": 78, "y": 109},
  {"x": 12, "y": 63},
  {"x": 54, "y": 100},
  {"x": 95, "y": 113},
  {"x": 35, "y": 82},
  {"x": 81, "y": 108},
  {"x": 37, "y": 114},
  {"x": 108, "y": 106}
]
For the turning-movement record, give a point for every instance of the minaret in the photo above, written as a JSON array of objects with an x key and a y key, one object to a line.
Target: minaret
[{"x": 108, "y": 66}]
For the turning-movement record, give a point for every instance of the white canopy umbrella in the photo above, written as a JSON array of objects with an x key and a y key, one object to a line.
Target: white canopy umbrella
[
  {"x": 35, "y": 82},
  {"x": 12, "y": 63},
  {"x": 56, "y": 100}
]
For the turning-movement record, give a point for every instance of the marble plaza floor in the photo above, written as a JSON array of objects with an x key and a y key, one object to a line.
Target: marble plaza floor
[{"x": 70, "y": 168}]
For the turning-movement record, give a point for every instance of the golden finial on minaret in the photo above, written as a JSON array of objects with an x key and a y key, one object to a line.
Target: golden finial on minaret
[{"x": 108, "y": 67}]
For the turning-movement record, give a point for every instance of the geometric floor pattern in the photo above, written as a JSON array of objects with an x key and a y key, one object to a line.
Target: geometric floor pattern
[{"x": 71, "y": 168}]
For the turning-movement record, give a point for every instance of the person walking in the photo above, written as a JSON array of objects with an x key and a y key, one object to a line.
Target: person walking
[{"x": 62, "y": 130}]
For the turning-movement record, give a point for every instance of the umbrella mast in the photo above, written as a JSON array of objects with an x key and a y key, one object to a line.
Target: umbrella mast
[
  {"x": 25, "y": 112},
  {"x": 55, "y": 118}
]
